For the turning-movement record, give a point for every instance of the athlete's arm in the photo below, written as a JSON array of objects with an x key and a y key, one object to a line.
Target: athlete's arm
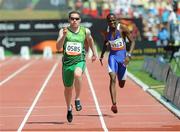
[
  {"x": 131, "y": 41},
  {"x": 61, "y": 38},
  {"x": 91, "y": 43},
  {"x": 129, "y": 37},
  {"x": 103, "y": 51}
]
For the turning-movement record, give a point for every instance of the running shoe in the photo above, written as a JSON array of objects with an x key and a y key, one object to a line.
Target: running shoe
[
  {"x": 114, "y": 109},
  {"x": 78, "y": 105},
  {"x": 69, "y": 116}
]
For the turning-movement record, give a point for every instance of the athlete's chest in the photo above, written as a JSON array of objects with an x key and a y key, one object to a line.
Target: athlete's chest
[
  {"x": 116, "y": 41},
  {"x": 74, "y": 43},
  {"x": 78, "y": 37}
]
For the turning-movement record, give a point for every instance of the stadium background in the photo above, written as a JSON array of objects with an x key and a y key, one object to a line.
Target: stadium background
[{"x": 36, "y": 23}]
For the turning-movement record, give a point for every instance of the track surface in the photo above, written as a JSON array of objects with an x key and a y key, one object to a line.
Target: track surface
[{"x": 32, "y": 99}]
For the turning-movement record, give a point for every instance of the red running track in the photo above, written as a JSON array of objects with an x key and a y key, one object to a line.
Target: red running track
[{"x": 32, "y": 99}]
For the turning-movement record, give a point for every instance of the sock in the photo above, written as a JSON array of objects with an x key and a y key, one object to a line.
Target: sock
[
  {"x": 77, "y": 99},
  {"x": 69, "y": 108}
]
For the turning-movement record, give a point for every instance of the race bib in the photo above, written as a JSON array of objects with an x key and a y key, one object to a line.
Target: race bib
[
  {"x": 73, "y": 48},
  {"x": 117, "y": 44}
]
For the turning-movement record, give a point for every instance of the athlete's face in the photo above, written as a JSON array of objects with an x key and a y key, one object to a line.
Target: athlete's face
[
  {"x": 112, "y": 21},
  {"x": 74, "y": 20}
]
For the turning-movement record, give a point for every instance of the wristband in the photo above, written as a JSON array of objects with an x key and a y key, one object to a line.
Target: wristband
[{"x": 128, "y": 55}]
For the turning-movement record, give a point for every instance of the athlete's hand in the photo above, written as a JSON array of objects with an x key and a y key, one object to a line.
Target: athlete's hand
[
  {"x": 126, "y": 61},
  {"x": 93, "y": 58},
  {"x": 100, "y": 59},
  {"x": 64, "y": 31}
]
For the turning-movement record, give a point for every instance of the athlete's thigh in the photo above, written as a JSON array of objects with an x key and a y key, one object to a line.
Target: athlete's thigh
[
  {"x": 79, "y": 68},
  {"x": 122, "y": 72},
  {"x": 68, "y": 75},
  {"x": 112, "y": 65}
]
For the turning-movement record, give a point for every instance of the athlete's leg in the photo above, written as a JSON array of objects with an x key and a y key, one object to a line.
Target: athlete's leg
[
  {"x": 78, "y": 82},
  {"x": 68, "y": 84},
  {"x": 68, "y": 78},
  {"x": 112, "y": 87},
  {"x": 80, "y": 67},
  {"x": 78, "y": 86},
  {"x": 112, "y": 67},
  {"x": 68, "y": 96}
]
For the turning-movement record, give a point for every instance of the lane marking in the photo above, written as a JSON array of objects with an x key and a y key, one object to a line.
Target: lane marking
[
  {"x": 138, "y": 81},
  {"x": 96, "y": 101},
  {"x": 37, "y": 98},
  {"x": 156, "y": 95},
  {"x": 16, "y": 73},
  {"x": 163, "y": 101}
]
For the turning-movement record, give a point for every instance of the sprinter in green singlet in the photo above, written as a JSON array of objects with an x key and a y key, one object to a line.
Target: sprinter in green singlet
[{"x": 73, "y": 40}]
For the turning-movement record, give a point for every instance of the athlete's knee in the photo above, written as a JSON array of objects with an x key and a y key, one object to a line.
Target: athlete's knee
[
  {"x": 122, "y": 83},
  {"x": 113, "y": 79},
  {"x": 78, "y": 72},
  {"x": 68, "y": 89}
]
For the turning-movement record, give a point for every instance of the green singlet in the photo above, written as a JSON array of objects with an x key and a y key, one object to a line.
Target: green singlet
[{"x": 73, "y": 55}]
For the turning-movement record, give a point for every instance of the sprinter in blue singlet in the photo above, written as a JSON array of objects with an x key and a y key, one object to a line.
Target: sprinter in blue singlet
[{"x": 118, "y": 56}]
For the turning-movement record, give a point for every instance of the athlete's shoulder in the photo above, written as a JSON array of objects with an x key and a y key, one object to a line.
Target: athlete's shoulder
[
  {"x": 83, "y": 28},
  {"x": 87, "y": 31},
  {"x": 124, "y": 26}
]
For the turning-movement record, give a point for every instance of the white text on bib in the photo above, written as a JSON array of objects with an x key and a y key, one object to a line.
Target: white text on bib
[
  {"x": 117, "y": 44},
  {"x": 73, "y": 48}
]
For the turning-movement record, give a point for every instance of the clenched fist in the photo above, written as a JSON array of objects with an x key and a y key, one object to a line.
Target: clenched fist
[{"x": 64, "y": 31}]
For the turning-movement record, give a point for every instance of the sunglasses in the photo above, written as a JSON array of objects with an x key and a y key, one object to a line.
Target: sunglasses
[
  {"x": 111, "y": 20},
  {"x": 75, "y": 18}
]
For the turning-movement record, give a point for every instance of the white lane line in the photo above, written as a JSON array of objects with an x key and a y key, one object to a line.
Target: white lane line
[
  {"x": 163, "y": 101},
  {"x": 15, "y": 73},
  {"x": 156, "y": 95},
  {"x": 37, "y": 98},
  {"x": 96, "y": 101}
]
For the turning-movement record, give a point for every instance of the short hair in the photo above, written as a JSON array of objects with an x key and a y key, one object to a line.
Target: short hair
[
  {"x": 74, "y": 12},
  {"x": 110, "y": 14}
]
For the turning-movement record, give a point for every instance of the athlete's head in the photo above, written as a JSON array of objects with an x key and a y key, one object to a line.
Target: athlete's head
[
  {"x": 112, "y": 20},
  {"x": 74, "y": 18}
]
